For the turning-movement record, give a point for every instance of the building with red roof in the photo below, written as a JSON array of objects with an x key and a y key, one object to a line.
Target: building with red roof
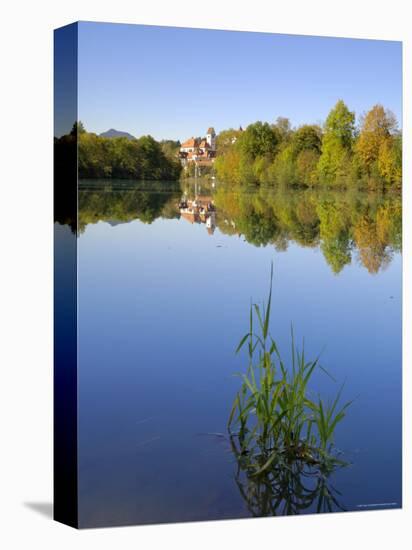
[{"x": 199, "y": 149}]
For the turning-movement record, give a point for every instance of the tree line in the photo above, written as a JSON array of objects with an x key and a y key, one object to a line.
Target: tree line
[
  {"x": 143, "y": 158},
  {"x": 338, "y": 154}
]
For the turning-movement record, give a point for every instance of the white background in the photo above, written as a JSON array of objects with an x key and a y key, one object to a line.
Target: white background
[{"x": 26, "y": 271}]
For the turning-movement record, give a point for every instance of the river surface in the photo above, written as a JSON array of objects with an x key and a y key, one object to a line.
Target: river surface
[{"x": 163, "y": 300}]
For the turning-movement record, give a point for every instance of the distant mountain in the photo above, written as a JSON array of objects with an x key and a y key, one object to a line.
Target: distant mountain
[
  {"x": 112, "y": 133},
  {"x": 113, "y": 223}
]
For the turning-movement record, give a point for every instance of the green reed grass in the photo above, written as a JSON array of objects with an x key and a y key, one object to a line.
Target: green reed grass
[{"x": 273, "y": 418}]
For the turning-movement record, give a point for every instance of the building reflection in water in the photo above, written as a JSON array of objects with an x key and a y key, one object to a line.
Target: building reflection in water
[{"x": 199, "y": 210}]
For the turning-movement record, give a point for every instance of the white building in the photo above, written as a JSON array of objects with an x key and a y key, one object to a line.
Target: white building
[{"x": 199, "y": 149}]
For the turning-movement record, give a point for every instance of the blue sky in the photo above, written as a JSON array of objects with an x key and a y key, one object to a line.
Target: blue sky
[{"x": 174, "y": 83}]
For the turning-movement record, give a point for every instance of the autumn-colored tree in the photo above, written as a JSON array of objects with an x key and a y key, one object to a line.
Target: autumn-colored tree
[
  {"x": 227, "y": 166},
  {"x": 306, "y": 167},
  {"x": 377, "y": 126},
  {"x": 335, "y": 155},
  {"x": 390, "y": 160}
]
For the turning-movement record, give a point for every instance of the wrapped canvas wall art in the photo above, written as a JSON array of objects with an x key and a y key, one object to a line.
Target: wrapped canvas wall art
[{"x": 228, "y": 275}]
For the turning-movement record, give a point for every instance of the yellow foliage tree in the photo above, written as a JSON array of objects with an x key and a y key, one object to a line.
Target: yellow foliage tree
[
  {"x": 390, "y": 161},
  {"x": 376, "y": 127}
]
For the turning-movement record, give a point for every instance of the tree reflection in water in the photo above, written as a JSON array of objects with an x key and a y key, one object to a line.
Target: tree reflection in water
[
  {"x": 365, "y": 226},
  {"x": 346, "y": 226}
]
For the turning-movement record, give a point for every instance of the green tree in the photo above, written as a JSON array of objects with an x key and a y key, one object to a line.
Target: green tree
[
  {"x": 308, "y": 137},
  {"x": 170, "y": 148},
  {"x": 341, "y": 124},
  {"x": 259, "y": 139},
  {"x": 283, "y": 169},
  {"x": 78, "y": 128},
  {"x": 334, "y": 162},
  {"x": 226, "y": 139},
  {"x": 141, "y": 158},
  {"x": 283, "y": 128}
]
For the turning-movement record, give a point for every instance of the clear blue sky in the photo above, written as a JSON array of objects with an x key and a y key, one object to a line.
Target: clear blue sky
[{"x": 174, "y": 83}]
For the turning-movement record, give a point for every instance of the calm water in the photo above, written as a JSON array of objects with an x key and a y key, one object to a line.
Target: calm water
[{"x": 163, "y": 302}]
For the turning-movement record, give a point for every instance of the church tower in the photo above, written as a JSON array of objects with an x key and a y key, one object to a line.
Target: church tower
[{"x": 211, "y": 138}]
